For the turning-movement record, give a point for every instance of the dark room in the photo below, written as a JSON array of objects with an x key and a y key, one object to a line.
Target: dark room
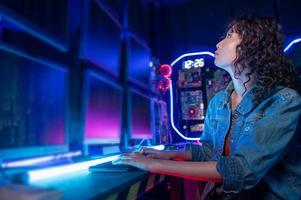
[{"x": 150, "y": 99}]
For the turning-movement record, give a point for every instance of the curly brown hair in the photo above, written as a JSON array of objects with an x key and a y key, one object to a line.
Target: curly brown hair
[{"x": 261, "y": 50}]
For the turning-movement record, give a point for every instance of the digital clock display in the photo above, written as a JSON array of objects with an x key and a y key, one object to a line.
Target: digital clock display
[{"x": 188, "y": 64}]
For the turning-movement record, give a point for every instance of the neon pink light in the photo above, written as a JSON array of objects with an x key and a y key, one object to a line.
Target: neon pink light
[{"x": 165, "y": 70}]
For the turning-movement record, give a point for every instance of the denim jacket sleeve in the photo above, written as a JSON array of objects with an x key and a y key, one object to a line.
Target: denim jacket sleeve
[{"x": 264, "y": 145}]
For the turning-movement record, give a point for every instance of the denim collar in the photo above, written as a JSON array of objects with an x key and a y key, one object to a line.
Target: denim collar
[{"x": 246, "y": 104}]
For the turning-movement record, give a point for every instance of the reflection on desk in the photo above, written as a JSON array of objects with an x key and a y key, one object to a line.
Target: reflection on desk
[{"x": 85, "y": 185}]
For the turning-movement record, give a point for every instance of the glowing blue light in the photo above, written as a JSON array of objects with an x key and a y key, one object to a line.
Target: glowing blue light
[
  {"x": 171, "y": 92},
  {"x": 27, "y": 162},
  {"x": 291, "y": 43},
  {"x": 34, "y": 161},
  {"x": 191, "y": 54},
  {"x": 37, "y": 175},
  {"x": 157, "y": 147}
]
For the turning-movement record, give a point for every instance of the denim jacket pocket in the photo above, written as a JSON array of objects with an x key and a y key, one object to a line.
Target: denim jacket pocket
[
  {"x": 250, "y": 122},
  {"x": 214, "y": 121}
]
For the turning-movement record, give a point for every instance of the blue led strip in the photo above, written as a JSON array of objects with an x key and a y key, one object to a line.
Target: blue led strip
[
  {"x": 34, "y": 161},
  {"x": 291, "y": 44},
  {"x": 51, "y": 172},
  {"x": 191, "y": 54},
  {"x": 41, "y": 174}
]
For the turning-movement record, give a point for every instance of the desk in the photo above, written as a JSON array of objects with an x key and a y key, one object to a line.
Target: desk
[{"x": 86, "y": 185}]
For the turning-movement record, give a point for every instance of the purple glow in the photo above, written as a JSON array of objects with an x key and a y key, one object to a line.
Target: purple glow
[
  {"x": 103, "y": 114},
  {"x": 141, "y": 121},
  {"x": 99, "y": 125}
]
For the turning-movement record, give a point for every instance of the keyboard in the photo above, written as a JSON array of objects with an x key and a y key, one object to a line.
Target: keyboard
[{"x": 109, "y": 167}]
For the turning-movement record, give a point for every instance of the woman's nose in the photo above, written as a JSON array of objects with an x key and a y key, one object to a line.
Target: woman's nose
[{"x": 218, "y": 44}]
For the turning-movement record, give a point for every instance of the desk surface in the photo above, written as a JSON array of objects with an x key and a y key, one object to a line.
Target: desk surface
[{"x": 88, "y": 185}]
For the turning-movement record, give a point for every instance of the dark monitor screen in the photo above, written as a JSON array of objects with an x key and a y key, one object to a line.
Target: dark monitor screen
[
  {"x": 102, "y": 40},
  {"x": 138, "y": 64},
  {"x": 103, "y": 110},
  {"x": 140, "y": 112},
  {"x": 32, "y": 105},
  {"x": 47, "y": 20},
  {"x": 139, "y": 17}
]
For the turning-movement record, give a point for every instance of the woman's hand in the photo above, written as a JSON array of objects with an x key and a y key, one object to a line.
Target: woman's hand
[
  {"x": 137, "y": 160},
  {"x": 153, "y": 153}
]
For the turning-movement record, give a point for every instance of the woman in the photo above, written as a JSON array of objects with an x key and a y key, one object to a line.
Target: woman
[{"x": 250, "y": 142}]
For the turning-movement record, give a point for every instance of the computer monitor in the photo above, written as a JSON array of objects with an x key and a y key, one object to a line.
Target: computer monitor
[
  {"x": 28, "y": 20},
  {"x": 101, "y": 41},
  {"x": 138, "y": 62},
  {"x": 139, "y": 18},
  {"x": 102, "y": 110},
  {"x": 140, "y": 115},
  {"x": 33, "y": 105}
]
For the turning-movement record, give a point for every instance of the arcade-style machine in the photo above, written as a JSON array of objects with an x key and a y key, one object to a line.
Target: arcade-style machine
[
  {"x": 195, "y": 80},
  {"x": 159, "y": 84}
]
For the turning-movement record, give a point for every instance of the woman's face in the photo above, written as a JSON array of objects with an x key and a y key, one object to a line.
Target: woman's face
[{"x": 226, "y": 50}]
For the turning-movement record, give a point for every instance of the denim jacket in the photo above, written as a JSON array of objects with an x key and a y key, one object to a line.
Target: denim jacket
[{"x": 265, "y": 143}]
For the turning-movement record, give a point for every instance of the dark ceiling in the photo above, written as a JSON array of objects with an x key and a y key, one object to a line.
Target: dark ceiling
[{"x": 193, "y": 25}]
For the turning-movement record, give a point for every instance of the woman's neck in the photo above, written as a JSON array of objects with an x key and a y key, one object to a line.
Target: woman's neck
[
  {"x": 238, "y": 93},
  {"x": 239, "y": 88},
  {"x": 241, "y": 85}
]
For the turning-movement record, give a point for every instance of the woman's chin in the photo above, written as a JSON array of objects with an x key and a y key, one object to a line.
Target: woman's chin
[
  {"x": 221, "y": 66},
  {"x": 218, "y": 64}
]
